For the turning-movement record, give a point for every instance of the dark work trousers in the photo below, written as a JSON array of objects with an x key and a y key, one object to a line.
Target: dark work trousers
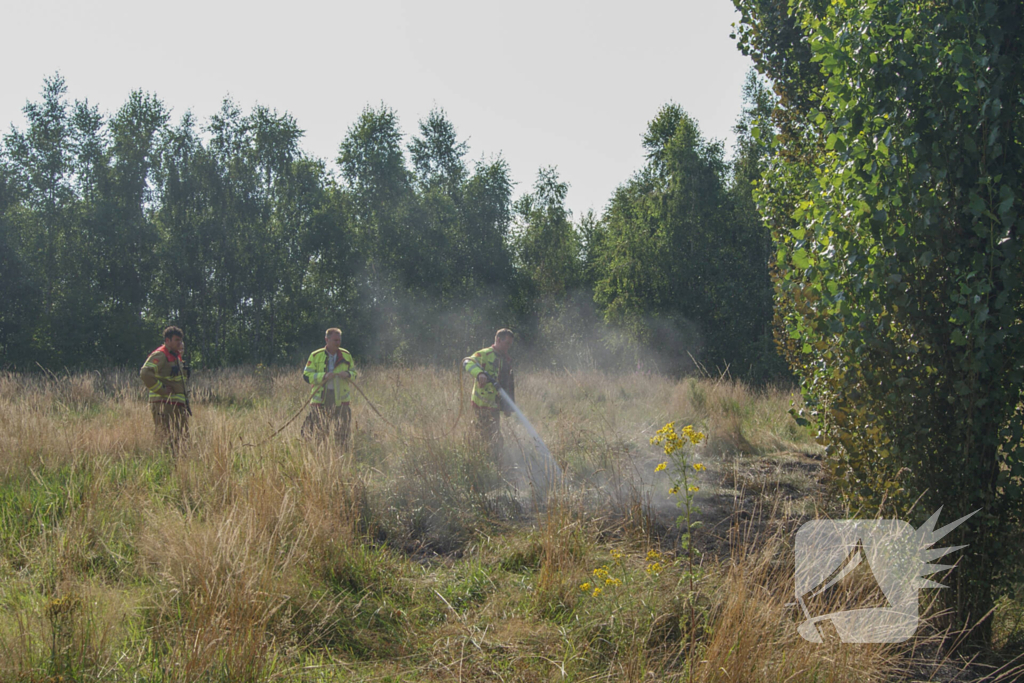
[
  {"x": 487, "y": 423},
  {"x": 328, "y": 421},
  {"x": 171, "y": 421}
]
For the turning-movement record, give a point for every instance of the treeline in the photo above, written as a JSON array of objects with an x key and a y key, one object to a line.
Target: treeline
[{"x": 113, "y": 226}]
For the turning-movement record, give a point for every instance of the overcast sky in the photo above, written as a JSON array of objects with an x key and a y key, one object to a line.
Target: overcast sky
[{"x": 568, "y": 84}]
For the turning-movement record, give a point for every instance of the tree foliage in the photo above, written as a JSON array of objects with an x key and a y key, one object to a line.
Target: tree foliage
[
  {"x": 114, "y": 226},
  {"x": 894, "y": 197},
  {"x": 682, "y": 259}
]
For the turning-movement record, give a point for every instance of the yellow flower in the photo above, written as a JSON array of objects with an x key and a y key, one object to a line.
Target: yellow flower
[
  {"x": 613, "y": 582},
  {"x": 693, "y": 435},
  {"x": 597, "y": 591},
  {"x": 616, "y": 554},
  {"x": 674, "y": 490},
  {"x": 653, "y": 555},
  {"x": 585, "y": 587},
  {"x": 693, "y": 489},
  {"x": 660, "y": 467},
  {"x": 653, "y": 568},
  {"x": 699, "y": 467}
]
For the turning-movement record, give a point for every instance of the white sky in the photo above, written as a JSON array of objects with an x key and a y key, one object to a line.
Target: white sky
[{"x": 569, "y": 84}]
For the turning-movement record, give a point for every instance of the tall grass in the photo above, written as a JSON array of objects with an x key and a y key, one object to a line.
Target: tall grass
[{"x": 409, "y": 554}]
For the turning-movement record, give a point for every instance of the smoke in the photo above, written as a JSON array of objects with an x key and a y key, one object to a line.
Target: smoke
[
  {"x": 402, "y": 327},
  {"x": 566, "y": 334}
]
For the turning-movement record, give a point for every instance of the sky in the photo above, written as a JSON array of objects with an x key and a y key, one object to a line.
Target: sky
[{"x": 556, "y": 83}]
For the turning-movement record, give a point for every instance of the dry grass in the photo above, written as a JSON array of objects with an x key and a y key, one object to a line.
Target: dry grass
[{"x": 410, "y": 555}]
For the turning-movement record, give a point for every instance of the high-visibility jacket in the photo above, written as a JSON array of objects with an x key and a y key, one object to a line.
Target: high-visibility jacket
[
  {"x": 163, "y": 370},
  {"x": 316, "y": 371},
  {"x": 497, "y": 368}
]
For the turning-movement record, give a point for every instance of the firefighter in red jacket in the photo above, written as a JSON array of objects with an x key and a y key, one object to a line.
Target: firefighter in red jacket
[{"x": 164, "y": 375}]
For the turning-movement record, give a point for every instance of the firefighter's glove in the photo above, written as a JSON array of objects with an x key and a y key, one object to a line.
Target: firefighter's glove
[{"x": 482, "y": 379}]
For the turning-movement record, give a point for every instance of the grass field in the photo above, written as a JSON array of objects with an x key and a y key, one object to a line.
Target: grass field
[{"x": 411, "y": 555}]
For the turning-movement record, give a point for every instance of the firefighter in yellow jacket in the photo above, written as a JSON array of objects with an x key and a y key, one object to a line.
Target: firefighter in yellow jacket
[
  {"x": 164, "y": 375},
  {"x": 328, "y": 371},
  {"x": 486, "y": 366}
]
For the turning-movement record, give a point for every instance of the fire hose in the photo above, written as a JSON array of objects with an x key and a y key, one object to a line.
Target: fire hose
[{"x": 372, "y": 406}]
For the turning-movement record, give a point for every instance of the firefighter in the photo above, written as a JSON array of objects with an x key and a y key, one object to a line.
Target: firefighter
[
  {"x": 164, "y": 375},
  {"x": 486, "y": 366},
  {"x": 328, "y": 371}
]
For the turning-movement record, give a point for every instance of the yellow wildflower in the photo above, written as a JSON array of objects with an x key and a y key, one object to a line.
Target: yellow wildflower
[
  {"x": 616, "y": 554},
  {"x": 699, "y": 467},
  {"x": 693, "y": 435},
  {"x": 597, "y": 591},
  {"x": 585, "y": 587},
  {"x": 674, "y": 490},
  {"x": 660, "y": 467},
  {"x": 653, "y": 555},
  {"x": 653, "y": 568},
  {"x": 693, "y": 489}
]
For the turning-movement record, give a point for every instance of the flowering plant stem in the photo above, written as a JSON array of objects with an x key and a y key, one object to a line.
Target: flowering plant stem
[{"x": 674, "y": 445}]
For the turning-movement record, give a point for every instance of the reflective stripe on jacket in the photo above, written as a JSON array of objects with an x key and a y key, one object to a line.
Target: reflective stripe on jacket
[
  {"x": 497, "y": 368},
  {"x": 316, "y": 371},
  {"x": 163, "y": 370}
]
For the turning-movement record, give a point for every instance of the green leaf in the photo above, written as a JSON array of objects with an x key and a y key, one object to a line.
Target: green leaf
[
  {"x": 800, "y": 259},
  {"x": 975, "y": 204}
]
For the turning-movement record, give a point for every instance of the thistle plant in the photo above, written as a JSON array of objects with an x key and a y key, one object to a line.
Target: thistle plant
[{"x": 683, "y": 474}]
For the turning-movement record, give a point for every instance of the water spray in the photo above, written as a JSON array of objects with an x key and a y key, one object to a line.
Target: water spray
[{"x": 538, "y": 443}]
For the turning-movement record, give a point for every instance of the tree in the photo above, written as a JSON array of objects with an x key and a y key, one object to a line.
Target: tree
[
  {"x": 20, "y": 291},
  {"x": 437, "y": 155},
  {"x": 547, "y": 245},
  {"x": 893, "y": 195},
  {"x": 486, "y": 218},
  {"x": 669, "y": 262},
  {"x": 751, "y": 301},
  {"x": 42, "y": 163},
  {"x": 629, "y": 282},
  {"x": 191, "y": 275},
  {"x": 125, "y": 233},
  {"x": 373, "y": 167}
]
